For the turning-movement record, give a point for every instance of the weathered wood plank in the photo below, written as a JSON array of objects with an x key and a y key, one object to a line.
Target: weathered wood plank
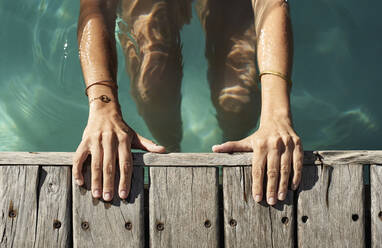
[
  {"x": 376, "y": 205},
  {"x": 108, "y": 224},
  {"x": 144, "y": 159},
  {"x": 251, "y": 224},
  {"x": 18, "y": 204},
  {"x": 330, "y": 207},
  {"x": 54, "y": 207},
  {"x": 183, "y": 205},
  {"x": 334, "y": 158}
]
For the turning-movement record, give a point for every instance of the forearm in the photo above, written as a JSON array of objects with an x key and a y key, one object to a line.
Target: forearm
[
  {"x": 274, "y": 53},
  {"x": 97, "y": 47}
]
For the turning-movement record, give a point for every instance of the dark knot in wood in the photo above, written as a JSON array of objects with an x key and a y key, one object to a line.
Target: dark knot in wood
[
  {"x": 354, "y": 217},
  {"x": 128, "y": 226},
  {"x": 284, "y": 220},
  {"x": 304, "y": 219},
  {"x": 12, "y": 213},
  {"x": 233, "y": 223},
  {"x": 207, "y": 224},
  {"x": 380, "y": 215},
  {"x": 56, "y": 224},
  {"x": 85, "y": 225},
  {"x": 160, "y": 226}
]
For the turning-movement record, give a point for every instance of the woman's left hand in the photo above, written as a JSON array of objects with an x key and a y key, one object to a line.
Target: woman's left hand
[{"x": 276, "y": 145}]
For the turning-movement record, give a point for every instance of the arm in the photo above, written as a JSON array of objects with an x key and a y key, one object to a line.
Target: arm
[
  {"x": 275, "y": 143},
  {"x": 106, "y": 136}
]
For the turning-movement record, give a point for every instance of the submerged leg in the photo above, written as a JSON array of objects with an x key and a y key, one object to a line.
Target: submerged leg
[
  {"x": 154, "y": 64},
  {"x": 230, "y": 50}
]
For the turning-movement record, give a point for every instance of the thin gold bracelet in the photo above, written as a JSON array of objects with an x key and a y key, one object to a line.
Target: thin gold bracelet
[
  {"x": 102, "y": 82},
  {"x": 275, "y": 73}
]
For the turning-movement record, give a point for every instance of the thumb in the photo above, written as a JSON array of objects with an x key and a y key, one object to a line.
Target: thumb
[
  {"x": 233, "y": 146},
  {"x": 140, "y": 142}
]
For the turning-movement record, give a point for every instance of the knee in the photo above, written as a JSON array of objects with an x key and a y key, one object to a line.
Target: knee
[
  {"x": 159, "y": 78},
  {"x": 233, "y": 100}
]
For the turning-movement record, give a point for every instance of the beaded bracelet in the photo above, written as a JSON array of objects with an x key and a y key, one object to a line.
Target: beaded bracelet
[
  {"x": 103, "y": 82},
  {"x": 277, "y": 74}
]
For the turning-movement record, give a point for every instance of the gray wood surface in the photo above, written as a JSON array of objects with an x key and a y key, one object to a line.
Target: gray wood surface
[
  {"x": 334, "y": 158},
  {"x": 376, "y": 205},
  {"x": 329, "y": 199},
  {"x": 108, "y": 224},
  {"x": 144, "y": 159},
  {"x": 18, "y": 194},
  {"x": 251, "y": 224},
  {"x": 54, "y": 207},
  {"x": 183, "y": 206}
]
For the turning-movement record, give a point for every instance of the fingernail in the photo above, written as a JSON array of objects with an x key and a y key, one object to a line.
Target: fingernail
[
  {"x": 107, "y": 196},
  {"x": 78, "y": 181},
  {"x": 281, "y": 196},
  {"x": 97, "y": 193},
  {"x": 271, "y": 200},
  {"x": 123, "y": 194},
  {"x": 257, "y": 198}
]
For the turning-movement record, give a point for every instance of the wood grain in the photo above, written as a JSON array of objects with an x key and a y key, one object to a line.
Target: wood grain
[
  {"x": 108, "y": 224},
  {"x": 330, "y": 207},
  {"x": 18, "y": 204},
  {"x": 54, "y": 207},
  {"x": 376, "y": 205},
  {"x": 251, "y": 224},
  {"x": 183, "y": 205},
  {"x": 143, "y": 159}
]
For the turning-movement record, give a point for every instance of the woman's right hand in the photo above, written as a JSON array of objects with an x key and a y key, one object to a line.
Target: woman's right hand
[{"x": 106, "y": 137}]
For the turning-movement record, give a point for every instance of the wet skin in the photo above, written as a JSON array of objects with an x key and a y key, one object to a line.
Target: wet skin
[{"x": 277, "y": 149}]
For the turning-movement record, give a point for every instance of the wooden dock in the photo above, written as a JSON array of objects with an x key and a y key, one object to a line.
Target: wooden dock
[{"x": 187, "y": 203}]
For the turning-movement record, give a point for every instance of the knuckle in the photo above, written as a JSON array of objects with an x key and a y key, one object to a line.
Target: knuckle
[
  {"x": 123, "y": 137},
  {"x": 297, "y": 141},
  {"x": 284, "y": 173},
  {"x": 76, "y": 162},
  {"x": 260, "y": 144},
  {"x": 108, "y": 169},
  {"x": 272, "y": 174},
  {"x": 274, "y": 143},
  {"x": 96, "y": 136},
  {"x": 126, "y": 167},
  {"x": 288, "y": 141},
  {"x": 298, "y": 166},
  {"x": 285, "y": 166},
  {"x": 108, "y": 136},
  {"x": 97, "y": 167},
  {"x": 257, "y": 172}
]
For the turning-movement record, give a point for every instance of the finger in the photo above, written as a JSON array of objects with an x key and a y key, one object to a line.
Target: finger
[
  {"x": 109, "y": 157},
  {"x": 243, "y": 145},
  {"x": 125, "y": 168},
  {"x": 96, "y": 168},
  {"x": 273, "y": 170},
  {"x": 286, "y": 160},
  {"x": 298, "y": 159},
  {"x": 79, "y": 158},
  {"x": 258, "y": 168},
  {"x": 140, "y": 142}
]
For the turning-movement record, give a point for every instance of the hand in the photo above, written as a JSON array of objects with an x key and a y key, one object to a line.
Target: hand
[
  {"x": 276, "y": 144},
  {"x": 105, "y": 137}
]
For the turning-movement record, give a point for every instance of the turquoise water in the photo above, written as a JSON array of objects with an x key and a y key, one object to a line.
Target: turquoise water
[{"x": 335, "y": 99}]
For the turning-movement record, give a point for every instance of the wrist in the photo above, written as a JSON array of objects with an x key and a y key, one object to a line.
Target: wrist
[{"x": 275, "y": 98}]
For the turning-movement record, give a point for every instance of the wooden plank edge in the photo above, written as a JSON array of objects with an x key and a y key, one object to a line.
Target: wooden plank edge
[{"x": 332, "y": 158}]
